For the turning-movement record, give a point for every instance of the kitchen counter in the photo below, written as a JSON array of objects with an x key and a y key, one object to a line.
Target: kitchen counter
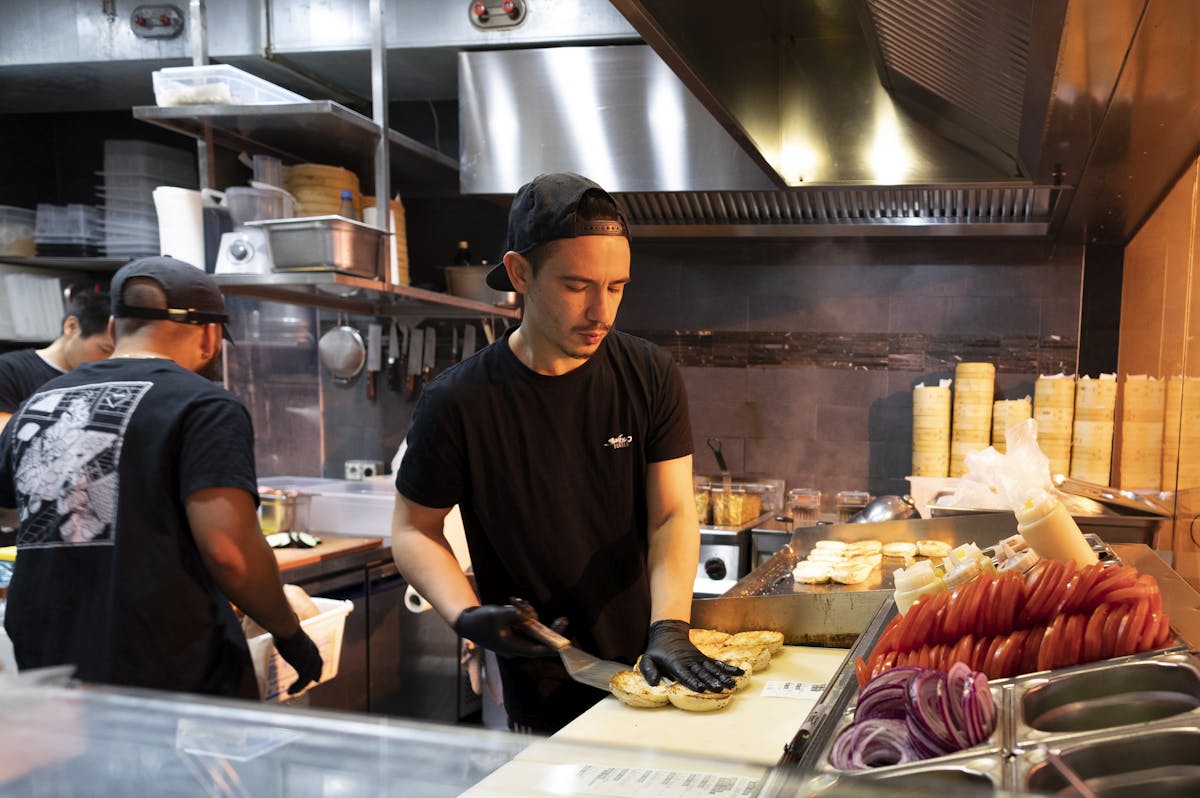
[
  {"x": 333, "y": 555},
  {"x": 739, "y": 741}
]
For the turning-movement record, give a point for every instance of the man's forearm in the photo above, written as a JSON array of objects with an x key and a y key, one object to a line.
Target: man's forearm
[
  {"x": 434, "y": 572},
  {"x": 674, "y": 553}
]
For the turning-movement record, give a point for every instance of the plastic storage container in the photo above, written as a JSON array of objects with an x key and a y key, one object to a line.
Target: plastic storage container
[
  {"x": 256, "y": 204},
  {"x": 275, "y": 676},
  {"x": 217, "y": 84},
  {"x": 68, "y": 230},
  {"x": 17, "y": 228}
]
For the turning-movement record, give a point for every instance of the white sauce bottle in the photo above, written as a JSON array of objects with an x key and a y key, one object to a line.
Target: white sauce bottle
[{"x": 1050, "y": 530}]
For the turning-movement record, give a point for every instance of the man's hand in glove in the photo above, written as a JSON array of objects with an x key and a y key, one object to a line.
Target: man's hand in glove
[
  {"x": 301, "y": 653},
  {"x": 670, "y": 653},
  {"x": 498, "y": 627}
]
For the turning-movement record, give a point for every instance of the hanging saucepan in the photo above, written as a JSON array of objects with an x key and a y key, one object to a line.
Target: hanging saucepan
[{"x": 342, "y": 351}]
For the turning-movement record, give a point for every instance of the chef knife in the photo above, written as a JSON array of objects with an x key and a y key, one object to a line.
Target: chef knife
[
  {"x": 374, "y": 357},
  {"x": 429, "y": 360},
  {"x": 468, "y": 345},
  {"x": 394, "y": 356},
  {"x": 416, "y": 351}
]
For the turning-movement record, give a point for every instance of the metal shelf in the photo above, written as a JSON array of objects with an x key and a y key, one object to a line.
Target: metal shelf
[
  {"x": 318, "y": 131},
  {"x": 349, "y": 294},
  {"x": 64, "y": 263}
]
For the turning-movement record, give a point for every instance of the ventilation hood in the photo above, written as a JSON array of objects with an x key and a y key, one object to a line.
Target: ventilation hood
[{"x": 785, "y": 117}]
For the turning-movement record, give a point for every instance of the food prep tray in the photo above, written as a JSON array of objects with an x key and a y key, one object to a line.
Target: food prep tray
[
  {"x": 1082, "y": 710},
  {"x": 323, "y": 244}
]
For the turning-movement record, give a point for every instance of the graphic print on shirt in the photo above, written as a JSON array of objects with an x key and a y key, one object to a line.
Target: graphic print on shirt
[
  {"x": 68, "y": 446},
  {"x": 619, "y": 441}
]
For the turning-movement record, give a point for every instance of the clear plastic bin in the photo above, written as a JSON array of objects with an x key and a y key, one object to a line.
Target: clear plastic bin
[
  {"x": 217, "y": 84},
  {"x": 17, "y": 227},
  {"x": 327, "y": 629},
  {"x": 66, "y": 223},
  {"x": 149, "y": 160}
]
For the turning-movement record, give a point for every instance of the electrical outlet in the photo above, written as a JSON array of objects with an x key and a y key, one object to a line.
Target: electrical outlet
[{"x": 363, "y": 469}]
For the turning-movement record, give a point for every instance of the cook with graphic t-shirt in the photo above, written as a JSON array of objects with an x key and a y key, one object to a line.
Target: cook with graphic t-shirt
[
  {"x": 85, "y": 338},
  {"x": 135, "y": 485},
  {"x": 568, "y": 448}
]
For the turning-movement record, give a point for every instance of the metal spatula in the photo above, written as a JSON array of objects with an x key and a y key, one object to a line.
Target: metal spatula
[{"x": 581, "y": 666}]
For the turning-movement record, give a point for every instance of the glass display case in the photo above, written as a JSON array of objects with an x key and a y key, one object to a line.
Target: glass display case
[{"x": 65, "y": 741}]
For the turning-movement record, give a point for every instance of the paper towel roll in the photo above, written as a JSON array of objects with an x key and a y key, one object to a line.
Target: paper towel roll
[
  {"x": 180, "y": 224},
  {"x": 414, "y": 602}
]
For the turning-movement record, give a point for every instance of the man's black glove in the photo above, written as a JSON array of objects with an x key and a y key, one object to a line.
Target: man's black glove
[
  {"x": 301, "y": 653},
  {"x": 498, "y": 627},
  {"x": 670, "y": 653}
]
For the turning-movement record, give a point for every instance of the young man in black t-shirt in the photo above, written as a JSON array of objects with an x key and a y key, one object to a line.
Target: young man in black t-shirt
[
  {"x": 85, "y": 338},
  {"x": 134, "y": 480},
  {"x": 567, "y": 446}
]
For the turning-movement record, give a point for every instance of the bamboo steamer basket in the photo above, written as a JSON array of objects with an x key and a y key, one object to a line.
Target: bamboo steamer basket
[
  {"x": 1181, "y": 434},
  {"x": 971, "y": 428},
  {"x": 1054, "y": 410},
  {"x": 1142, "y": 422},
  {"x": 1091, "y": 451},
  {"x": 1005, "y": 413},
  {"x": 931, "y": 431}
]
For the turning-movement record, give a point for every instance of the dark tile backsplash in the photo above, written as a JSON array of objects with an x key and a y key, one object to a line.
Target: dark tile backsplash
[{"x": 801, "y": 356}]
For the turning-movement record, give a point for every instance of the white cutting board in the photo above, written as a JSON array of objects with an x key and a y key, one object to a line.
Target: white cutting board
[
  {"x": 738, "y": 741},
  {"x": 752, "y": 728}
]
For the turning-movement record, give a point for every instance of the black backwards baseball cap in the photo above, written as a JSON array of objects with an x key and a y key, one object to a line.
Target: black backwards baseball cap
[
  {"x": 546, "y": 209},
  {"x": 192, "y": 295}
]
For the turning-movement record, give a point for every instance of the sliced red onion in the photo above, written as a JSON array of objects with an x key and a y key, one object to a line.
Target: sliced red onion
[
  {"x": 874, "y": 743},
  {"x": 926, "y": 718}
]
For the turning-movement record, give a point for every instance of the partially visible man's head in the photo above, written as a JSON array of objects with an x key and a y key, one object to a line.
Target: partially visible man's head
[
  {"x": 85, "y": 335},
  {"x": 176, "y": 304},
  {"x": 555, "y": 207}
]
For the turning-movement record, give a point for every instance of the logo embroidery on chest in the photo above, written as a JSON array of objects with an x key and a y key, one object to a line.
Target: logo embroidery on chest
[{"x": 619, "y": 442}]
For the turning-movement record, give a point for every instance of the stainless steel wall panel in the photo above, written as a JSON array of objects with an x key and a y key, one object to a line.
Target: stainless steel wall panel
[{"x": 614, "y": 113}]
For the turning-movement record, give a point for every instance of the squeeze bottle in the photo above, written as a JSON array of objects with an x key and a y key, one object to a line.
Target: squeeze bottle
[{"x": 1050, "y": 530}]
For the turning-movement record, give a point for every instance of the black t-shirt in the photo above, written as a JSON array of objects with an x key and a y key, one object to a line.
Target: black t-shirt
[
  {"x": 550, "y": 476},
  {"x": 21, "y": 373},
  {"x": 108, "y": 576}
]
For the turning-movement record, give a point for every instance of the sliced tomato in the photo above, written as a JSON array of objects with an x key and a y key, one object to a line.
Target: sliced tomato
[
  {"x": 1031, "y": 581},
  {"x": 904, "y": 634},
  {"x": 950, "y": 631},
  {"x": 1164, "y": 631},
  {"x": 1138, "y": 592},
  {"x": 1130, "y": 632},
  {"x": 1081, "y": 587},
  {"x": 1032, "y": 611},
  {"x": 1016, "y": 648},
  {"x": 1029, "y": 652},
  {"x": 1057, "y": 596},
  {"x": 1123, "y": 576},
  {"x": 1093, "y": 635},
  {"x": 1010, "y": 601},
  {"x": 860, "y": 672},
  {"x": 1048, "y": 653},
  {"x": 1000, "y": 651},
  {"x": 887, "y": 640},
  {"x": 1071, "y": 648},
  {"x": 1156, "y": 598},
  {"x": 981, "y": 647},
  {"x": 961, "y": 651},
  {"x": 1112, "y": 624},
  {"x": 923, "y": 625},
  {"x": 974, "y": 603}
]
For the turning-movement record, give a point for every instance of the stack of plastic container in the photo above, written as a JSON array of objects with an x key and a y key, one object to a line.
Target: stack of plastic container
[
  {"x": 132, "y": 170},
  {"x": 68, "y": 230}
]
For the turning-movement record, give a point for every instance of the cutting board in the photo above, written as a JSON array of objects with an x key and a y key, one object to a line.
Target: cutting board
[
  {"x": 735, "y": 742},
  {"x": 752, "y": 728},
  {"x": 329, "y": 546}
]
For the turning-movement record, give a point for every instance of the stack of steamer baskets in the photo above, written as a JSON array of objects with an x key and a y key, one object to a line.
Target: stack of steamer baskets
[
  {"x": 1142, "y": 417},
  {"x": 318, "y": 188},
  {"x": 1054, "y": 409},
  {"x": 931, "y": 431},
  {"x": 1005, "y": 413},
  {"x": 1181, "y": 433},
  {"x": 974, "y": 387},
  {"x": 1091, "y": 444}
]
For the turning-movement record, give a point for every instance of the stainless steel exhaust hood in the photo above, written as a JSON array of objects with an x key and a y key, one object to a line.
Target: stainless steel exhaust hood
[{"x": 621, "y": 116}]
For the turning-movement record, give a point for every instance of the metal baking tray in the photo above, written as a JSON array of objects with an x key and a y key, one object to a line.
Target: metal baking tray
[
  {"x": 325, "y": 244},
  {"x": 1113, "y": 497}
]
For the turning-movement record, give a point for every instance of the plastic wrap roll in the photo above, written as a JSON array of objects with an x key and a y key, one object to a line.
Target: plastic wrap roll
[{"x": 414, "y": 602}]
